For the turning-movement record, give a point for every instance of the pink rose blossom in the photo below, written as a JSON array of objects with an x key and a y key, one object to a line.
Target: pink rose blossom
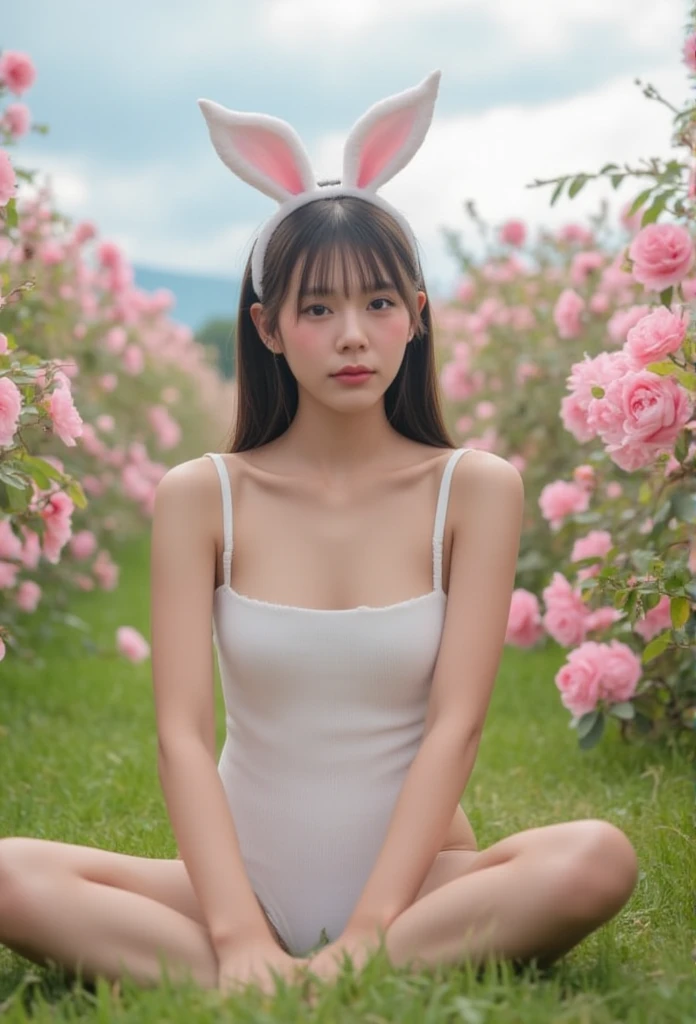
[
  {"x": 16, "y": 119},
  {"x": 623, "y": 320},
  {"x": 641, "y": 407},
  {"x": 132, "y": 644},
  {"x": 10, "y": 545},
  {"x": 524, "y": 628},
  {"x": 67, "y": 422},
  {"x": 579, "y": 679},
  {"x": 662, "y": 255},
  {"x": 599, "y": 303},
  {"x": 566, "y": 313},
  {"x": 689, "y": 51},
  {"x": 83, "y": 544},
  {"x": 621, "y": 672},
  {"x": 465, "y": 290},
  {"x": 10, "y": 408},
  {"x": 655, "y": 336},
  {"x": 585, "y": 476},
  {"x": 513, "y": 232},
  {"x": 602, "y": 618},
  {"x": 8, "y": 179},
  {"x": 133, "y": 361},
  {"x": 560, "y": 499},
  {"x": 566, "y": 615},
  {"x": 584, "y": 264},
  {"x": 575, "y": 233},
  {"x": 17, "y": 71},
  {"x": 28, "y": 595},
  {"x": 654, "y": 621},
  {"x": 595, "y": 544}
]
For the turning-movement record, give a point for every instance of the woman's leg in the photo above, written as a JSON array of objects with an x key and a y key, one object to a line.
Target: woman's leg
[
  {"x": 535, "y": 894},
  {"x": 95, "y": 912}
]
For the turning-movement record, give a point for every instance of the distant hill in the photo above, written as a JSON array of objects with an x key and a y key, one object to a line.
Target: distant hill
[{"x": 198, "y": 297}]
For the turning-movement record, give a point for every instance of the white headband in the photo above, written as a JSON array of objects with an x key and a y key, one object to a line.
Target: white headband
[{"x": 267, "y": 153}]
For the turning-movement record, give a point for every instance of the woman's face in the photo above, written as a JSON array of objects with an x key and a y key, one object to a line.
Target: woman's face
[{"x": 333, "y": 331}]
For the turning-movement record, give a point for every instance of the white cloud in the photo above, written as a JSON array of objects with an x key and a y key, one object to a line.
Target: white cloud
[
  {"x": 489, "y": 157},
  {"x": 535, "y": 25}
]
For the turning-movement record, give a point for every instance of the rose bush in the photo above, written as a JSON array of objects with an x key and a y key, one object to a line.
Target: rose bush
[
  {"x": 100, "y": 391},
  {"x": 577, "y": 341}
]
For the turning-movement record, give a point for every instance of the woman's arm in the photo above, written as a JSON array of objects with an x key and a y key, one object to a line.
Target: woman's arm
[{"x": 182, "y": 585}]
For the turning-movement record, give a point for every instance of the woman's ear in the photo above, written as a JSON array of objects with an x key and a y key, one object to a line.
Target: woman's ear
[{"x": 256, "y": 313}]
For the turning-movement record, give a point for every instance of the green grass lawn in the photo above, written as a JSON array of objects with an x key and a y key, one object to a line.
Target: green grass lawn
[{"x": 78, "y": 764}]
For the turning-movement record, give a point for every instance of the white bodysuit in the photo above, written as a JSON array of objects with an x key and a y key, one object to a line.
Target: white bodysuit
[{"x": 325, "y": 711}]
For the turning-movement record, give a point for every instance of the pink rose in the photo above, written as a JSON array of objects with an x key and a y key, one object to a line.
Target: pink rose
[
  {"x": 17, "y": 71},
  {"x": 524, "y": 627},
  {"x": 641, "y": 407},
  {"x": 566, "y": 616},
  {"x": 8, "y": 178},
  {"x": 654, "y": 621},
  {"x": 594, "y": 545},
  {"x": 656, "y": 336},
  {"x": 621, "y": 671},
  {"x": 560, "y": 499},
  {"x": 67, "y": 422},
  {"x": 513, "y": 232},
  {"x": 17, "y": 119},
  {"x": 28, "y": 595},
  {"x": 689, "y": 51},
  {"x": 10, "y": 408},
  {"x": 132, "y": 644},
  {"x": 662, "y": 255},
  {"x": 579, "y": 679},
  {"x": 566, "y": 313}
]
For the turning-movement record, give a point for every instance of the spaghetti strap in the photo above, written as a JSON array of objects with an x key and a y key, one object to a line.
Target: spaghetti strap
[
  {"x": 226, "y": 513},
  {"x": 441, "y": 513}
]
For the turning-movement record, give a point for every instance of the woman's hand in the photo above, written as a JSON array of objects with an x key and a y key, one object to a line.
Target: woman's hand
[
  {"x": 359, "y": 945},
  {"x": 250, "y": 962}
]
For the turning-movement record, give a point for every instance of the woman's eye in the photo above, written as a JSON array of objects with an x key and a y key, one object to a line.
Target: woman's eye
[{"x": 310, "y": 309}]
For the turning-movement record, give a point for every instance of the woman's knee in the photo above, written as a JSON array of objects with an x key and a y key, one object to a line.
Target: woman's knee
[{"x": 598, "y": 870}]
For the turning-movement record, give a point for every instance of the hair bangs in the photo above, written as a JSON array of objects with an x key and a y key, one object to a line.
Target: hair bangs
[{"x": 367, "y": 258}]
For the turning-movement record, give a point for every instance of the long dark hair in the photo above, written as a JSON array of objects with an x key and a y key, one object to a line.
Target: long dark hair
[{"x": 346, "y": 226}]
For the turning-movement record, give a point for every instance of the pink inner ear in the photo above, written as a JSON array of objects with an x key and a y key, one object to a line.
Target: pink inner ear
[
  {"x": 270, "y": 154},
  {"x": 382, "y": 142}
]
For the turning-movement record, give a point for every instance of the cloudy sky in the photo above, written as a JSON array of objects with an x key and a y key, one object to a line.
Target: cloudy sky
[{"x": 529, "y": 90}]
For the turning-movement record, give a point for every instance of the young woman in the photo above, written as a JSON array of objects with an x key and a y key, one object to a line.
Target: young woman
[{"x": 357, "y": 568}]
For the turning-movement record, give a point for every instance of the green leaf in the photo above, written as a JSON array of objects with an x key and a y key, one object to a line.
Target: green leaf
[
  {"x": 11, "y": 213},
  {"x": 608, "y": 167},
  {"x": 662, "y": 368},
  {"x": 685, "y": 378},
  {"x": 654, "y": 211},
  {"x": 44, "y": 467},
  {"x": 616, "y": 180},
  {"x": 657, "y": 646},
  {"x": 76, "y": 494},
  {"x": 666, "y": 296},
  {"x": 624, "y": 709},
  {"x": 576, "y": 184},
  {"x": 587, "y": 723},
  {"x": 641, "y": 198},
  {"x": 679, "y": 610},
  {"x": 558, "y": 189},
  {"x": 594, "y": 735},
  {"x": 684, "y": 506}
]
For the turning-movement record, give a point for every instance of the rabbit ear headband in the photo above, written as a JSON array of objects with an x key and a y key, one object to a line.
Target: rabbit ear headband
[{"x": 267, "y": 153}]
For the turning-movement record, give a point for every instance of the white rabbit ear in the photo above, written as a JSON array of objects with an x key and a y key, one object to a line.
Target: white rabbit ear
[
  {"x": 264, "y": 151},
  {"x": 387, "y": 137}
]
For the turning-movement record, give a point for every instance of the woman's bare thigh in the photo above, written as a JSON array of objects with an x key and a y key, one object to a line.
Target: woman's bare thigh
[{"x": 164, "y": 880}]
